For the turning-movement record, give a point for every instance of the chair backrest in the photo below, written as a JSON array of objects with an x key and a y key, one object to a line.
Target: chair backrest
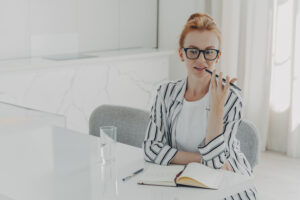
[
  {"x": 249, "y": 143},
  {"x": 131, "y": 123}
]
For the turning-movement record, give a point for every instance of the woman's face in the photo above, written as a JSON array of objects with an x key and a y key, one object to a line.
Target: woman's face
[{"x": 202, "y": 40}]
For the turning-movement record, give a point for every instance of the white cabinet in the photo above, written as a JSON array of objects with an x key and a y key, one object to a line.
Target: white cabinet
[
  {"x": 31, "y": 28},
  {"x": 138, "y": 21},
  {"x": 75, "y": 88},
  {"x": 98, "y": 25}
]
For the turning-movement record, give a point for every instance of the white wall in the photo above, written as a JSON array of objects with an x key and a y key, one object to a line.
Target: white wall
[
  {"x": 45, "y": 27},
  {"x": 173, "y": 14},
  {"x": 14, "y": 28},
  {"x": 40, "y": 27}
]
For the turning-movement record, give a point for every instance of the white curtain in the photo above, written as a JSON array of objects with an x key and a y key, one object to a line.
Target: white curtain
[
  {"x": 284, "y": 125},
  {"x": 261, "y": 39}
]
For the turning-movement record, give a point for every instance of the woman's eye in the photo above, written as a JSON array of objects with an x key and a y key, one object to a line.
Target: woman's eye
[
  {"x": 194, "y": 51},
  {"x": 209, "y": 52}
]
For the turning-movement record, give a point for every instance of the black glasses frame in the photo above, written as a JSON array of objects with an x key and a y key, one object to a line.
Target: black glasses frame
[{"x": 199, "y": 52}]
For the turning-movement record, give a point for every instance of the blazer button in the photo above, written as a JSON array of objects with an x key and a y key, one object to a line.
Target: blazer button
[{"x": 226, "y": 153}]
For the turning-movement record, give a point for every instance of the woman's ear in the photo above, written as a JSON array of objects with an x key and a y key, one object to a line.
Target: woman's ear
[
  {"x": 219, "y": 55},
  {"x": 180, "y": 54}
]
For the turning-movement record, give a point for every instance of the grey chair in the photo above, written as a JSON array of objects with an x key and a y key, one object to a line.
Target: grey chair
[
  {"x": 132, "y": 124},
  {"x": 247, "y": 134}
]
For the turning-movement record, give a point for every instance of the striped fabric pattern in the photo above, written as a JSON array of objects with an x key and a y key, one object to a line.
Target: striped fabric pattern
[{"x": 160, "y": 147}]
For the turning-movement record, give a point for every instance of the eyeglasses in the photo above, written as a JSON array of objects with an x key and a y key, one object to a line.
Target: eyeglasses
[{"x": 194, "y": 53}]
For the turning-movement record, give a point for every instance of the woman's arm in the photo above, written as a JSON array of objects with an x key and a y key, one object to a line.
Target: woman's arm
[
  {"x": 218, "y": 94},
  {"x": 183, "y": 158},
  {"x": 220, "y": 146},
  {"x": 156, "y": 148},
  {"x": 215, "y": 124}
]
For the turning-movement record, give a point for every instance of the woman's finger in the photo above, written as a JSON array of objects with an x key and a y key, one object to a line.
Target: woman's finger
[
  {"x": 233, "y": 80},
  {"x": 226, "y": 167},
  {"x": 229, "y": 168},
  {"x": 220, "y": 84},
  {"x": 227, "y": 85},
  {"x": 213, "y": 79}
]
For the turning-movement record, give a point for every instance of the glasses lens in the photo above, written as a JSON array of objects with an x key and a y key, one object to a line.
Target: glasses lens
[
  {"x": 192, "y": 53},
  {"x": 211, "y": 54}
]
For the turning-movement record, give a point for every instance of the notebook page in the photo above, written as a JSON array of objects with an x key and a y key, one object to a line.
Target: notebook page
[
  {"x": 203, "y": 174},
  {"x": 160, "y": 173}
]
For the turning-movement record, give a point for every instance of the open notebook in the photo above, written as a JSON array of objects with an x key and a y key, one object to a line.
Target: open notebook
[{"x": 193, "y": 174}]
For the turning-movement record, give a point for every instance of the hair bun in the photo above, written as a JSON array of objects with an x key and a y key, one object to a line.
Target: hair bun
[
  {"x": 199, "y": 15},
  {"x": 201, "y": 22}
]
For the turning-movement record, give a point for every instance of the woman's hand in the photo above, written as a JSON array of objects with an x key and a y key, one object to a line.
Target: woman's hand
[
  {"x": 227, "y": 167},
  {"x": 218, "y": 96},
  {"x": 218, "y": 92}
]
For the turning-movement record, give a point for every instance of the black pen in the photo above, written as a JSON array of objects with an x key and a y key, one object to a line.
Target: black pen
[
  {"x": 224, "y": 80},
  {"x": 134, "y": 173}
]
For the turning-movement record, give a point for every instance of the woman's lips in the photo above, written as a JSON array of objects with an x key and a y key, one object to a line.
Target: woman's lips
[{"x": 200, "y": 68}]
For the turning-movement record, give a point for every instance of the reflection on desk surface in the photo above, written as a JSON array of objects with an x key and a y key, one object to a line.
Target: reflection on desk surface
[{"x": 53, "y": 163}]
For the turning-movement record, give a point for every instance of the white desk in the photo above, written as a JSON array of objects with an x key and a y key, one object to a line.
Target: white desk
[
  {"x": 59, "y": 164},
  {"x": 15, "y": 118}
]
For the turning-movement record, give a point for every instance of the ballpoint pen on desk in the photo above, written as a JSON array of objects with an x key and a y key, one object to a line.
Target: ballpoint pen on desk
[
  {"x": 134, "y": 173},
  {"x": 224, "y": 80}
]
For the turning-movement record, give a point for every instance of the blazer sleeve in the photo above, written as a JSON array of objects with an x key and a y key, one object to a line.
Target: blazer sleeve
[
  {"x": 155, "y": 146},
  {"x": 225, "y": 147}
]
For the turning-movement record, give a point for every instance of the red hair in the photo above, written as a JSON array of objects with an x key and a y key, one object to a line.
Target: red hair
[{"x": 200, "y": 22}]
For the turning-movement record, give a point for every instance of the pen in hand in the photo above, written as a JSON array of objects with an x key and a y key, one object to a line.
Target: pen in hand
[
  {"x": 134, "y": 173},
  {"x": 236, "y": 87}
]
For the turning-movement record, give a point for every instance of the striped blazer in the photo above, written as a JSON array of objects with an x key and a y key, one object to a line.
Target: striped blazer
[{"x": 160, "y": 147}]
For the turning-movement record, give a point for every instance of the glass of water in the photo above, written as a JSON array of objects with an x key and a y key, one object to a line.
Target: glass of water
[{"x": 108, "y": 142}]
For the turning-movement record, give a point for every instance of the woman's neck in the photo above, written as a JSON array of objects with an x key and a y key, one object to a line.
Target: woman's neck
[{"x": 196, "y": 88}]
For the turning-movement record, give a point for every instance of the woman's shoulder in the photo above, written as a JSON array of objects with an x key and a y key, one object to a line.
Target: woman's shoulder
[
  {"x": 171, "y": 88},
  {"x": 170, "y": 84}
]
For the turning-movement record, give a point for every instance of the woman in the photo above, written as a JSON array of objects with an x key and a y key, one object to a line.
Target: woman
[{"x": 196, "y": 119}]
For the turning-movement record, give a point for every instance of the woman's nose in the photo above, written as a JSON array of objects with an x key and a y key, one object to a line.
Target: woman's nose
[{"x": 201, "y": 57}]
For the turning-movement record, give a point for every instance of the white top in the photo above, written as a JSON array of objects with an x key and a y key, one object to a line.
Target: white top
[{"x": 192, "y": 124}]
